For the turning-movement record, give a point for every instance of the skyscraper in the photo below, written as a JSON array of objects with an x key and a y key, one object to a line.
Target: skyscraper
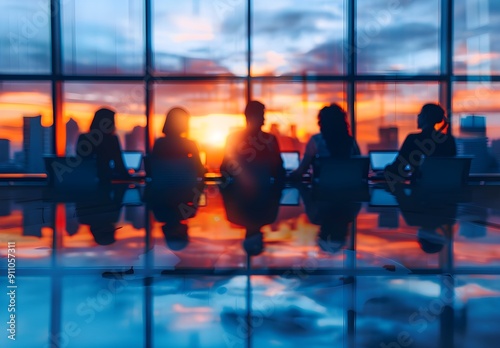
[
  {"x": 4, "y": 150},
  {"x": 388, "y": 139},
  {"x": 37, "y": 142},
  {"x": 472, "y": 141},
  {"x": 72, "y": 132}
]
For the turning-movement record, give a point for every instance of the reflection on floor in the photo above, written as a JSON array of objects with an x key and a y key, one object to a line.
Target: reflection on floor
[{"x": 126, "y": 268}]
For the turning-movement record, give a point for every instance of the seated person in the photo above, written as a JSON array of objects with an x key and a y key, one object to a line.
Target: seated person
[
  {"x": 175, "y": 145},
  {"x": 334, "y": 139},
  {"x": 102, "y": 143},
  {"x": 252, "y": 152},
  {"x": 429, "y": 142}
]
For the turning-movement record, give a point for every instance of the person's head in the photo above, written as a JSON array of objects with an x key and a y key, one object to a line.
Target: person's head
[
  {"x": 104, "y": 121},
  {"x": 429, "y": 116},
  {"x": 254, "y": 113},
  {"x": 176, "y": 123},
  {"x": 332, "y": 121}
]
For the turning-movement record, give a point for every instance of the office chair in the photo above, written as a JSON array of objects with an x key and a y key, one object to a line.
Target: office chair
[
  {"x": 341, "y": 174},
  {"x": 72, "y": 174},
  {"x": 443, "y": 173}
]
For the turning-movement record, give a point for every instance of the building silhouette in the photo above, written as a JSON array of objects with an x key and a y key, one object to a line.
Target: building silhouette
[
  {"x": 495, "y": 152},
  {"x": 388, "y": 139},
  {"x": 472, "y": 141},
  {"x": 72, "y": 133},
  {"x": 4, "y": 150},
  {"x": 37, "y": 142}
]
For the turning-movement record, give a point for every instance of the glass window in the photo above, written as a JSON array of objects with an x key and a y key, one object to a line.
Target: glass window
[
  {"x": 476, "y": 47},
  {"x": 398, "y": 37},
  {"x": 25, "y": 37},
  {"x": 82, "y": 100},
  {"x": 103, "y": 37},
  {"x": 200, "y": 37},
  {"x": 292, "y": 109},
  {"x": 391, "y": 109},
  {"x": 25, "y": 126},
  {"x": 294, "y": 37},
  {"x": 215, "y": 108},
  {"x": 476, "y": 123}
]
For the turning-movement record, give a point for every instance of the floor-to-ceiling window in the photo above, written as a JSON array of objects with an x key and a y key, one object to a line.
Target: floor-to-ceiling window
[{"x": 61, "y": 60}]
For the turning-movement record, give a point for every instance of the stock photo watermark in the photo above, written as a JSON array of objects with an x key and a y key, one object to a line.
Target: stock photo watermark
[{"x": 11, "y": 291}]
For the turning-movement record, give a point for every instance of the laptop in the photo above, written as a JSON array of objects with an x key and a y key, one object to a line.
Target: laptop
[
  {"x": 380, "y": 159},
  {"x": 132, "y": 160},
  {"x": 291, "y": 160}
]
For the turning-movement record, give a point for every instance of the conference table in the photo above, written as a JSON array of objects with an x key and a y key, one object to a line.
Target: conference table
[{"x": 211, "y": 266}]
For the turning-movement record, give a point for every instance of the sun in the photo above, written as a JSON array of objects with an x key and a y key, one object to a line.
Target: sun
[{"x": 216, "y": 138}]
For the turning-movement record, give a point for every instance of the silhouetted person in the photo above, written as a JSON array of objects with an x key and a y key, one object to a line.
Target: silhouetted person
[
  {"x": 430, "y": 142},
  {"x": 252, "y": 210},
  {"x": 333, "y": 141},
  {"x": 334, "y": 216},
  {"x": 175, "y": 145},
  {"x": 252, "y": 153},
  {"x": 433, "y": 214},
  {"x": 102, "y": 143}
]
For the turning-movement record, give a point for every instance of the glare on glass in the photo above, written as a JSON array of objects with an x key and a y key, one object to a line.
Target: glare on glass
[
  {"x": 398, "y": 37},
  {"x": 476, "y": 48},
  {"x": 200, "y": 37},
  {"x": 293, "y": 37},
  {"x": 103, "y": 37},
  {"x": 25, "y": 37}
]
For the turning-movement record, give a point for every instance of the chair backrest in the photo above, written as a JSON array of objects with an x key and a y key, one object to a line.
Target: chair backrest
[
  {"x": 338, "y": 174},
  {"x": 443, "y": 172},
  {"x": 172, "y": 173},
  {"x": 72, "y": 173}
]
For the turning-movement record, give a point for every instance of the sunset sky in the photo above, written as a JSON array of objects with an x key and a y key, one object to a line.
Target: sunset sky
[{"x": 289, "y": 37}]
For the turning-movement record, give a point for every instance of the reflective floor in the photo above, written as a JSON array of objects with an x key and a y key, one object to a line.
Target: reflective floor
[{"x": 211, "y": 267}]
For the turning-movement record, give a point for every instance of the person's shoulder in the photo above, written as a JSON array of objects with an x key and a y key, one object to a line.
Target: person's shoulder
[
  {"x": 236, "y": 136},
  {"x": 411, "y": 136}
]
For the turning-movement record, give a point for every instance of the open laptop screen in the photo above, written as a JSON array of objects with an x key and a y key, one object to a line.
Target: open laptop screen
[
  {"x": 132, "y": 160},
  {"x": 291, "y": 160},
  {"x": 380, "y": 159}
]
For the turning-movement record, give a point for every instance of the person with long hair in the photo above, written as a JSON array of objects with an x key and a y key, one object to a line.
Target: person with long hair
[
  {"x": 430, "y": 142},
  {"x": 333, "y": 141},
  {"x": 102, "y": 144},
  {"x": 175, "y": 145}
]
